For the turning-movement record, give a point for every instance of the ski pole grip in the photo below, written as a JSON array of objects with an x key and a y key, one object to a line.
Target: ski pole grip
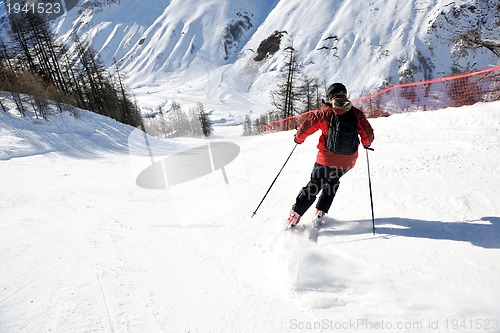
[{"x": 368, "y": 148}]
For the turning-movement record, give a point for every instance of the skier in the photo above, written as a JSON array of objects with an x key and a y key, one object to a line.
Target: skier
[{"x": 336, "y": 154}]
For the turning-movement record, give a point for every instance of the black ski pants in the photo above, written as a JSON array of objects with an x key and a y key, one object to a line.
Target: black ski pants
[{"x": 324, "y": 179}]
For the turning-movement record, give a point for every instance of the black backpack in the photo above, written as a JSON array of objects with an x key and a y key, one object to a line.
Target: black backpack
[{"x": 343, "y": 134}]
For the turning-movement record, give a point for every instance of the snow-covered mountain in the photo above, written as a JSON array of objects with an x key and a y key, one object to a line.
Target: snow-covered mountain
[{"x": 206, "y": 51}]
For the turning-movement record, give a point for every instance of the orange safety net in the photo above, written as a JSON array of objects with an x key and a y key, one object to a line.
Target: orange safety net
[{"x": 450, "y": 91}]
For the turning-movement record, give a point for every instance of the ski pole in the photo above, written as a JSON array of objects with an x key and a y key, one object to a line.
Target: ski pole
[
  {"x": 370, "y": 186},
  {"x": 255, "y": 212}
]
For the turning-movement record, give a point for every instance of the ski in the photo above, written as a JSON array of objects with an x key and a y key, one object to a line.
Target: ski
[
  {"x": 314, "y": 233},
  {"x": 296, "y": 228},
  {"x": 301, "y": 229},
  {"x": 316, "y": 225}
]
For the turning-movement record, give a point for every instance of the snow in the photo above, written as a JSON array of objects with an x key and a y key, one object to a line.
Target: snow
[{"x": 84, "y": 248}]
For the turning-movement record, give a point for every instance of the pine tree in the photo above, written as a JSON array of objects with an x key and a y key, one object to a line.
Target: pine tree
[
  {"x": 37, "y": 66},
  {"x": 206, "y": 123},
  {"x": 247, "y": 126},
  {"x": 257, "y": 126}
]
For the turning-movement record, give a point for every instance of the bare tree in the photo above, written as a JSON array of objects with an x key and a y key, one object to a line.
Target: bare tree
[
  {"x": 286, "y": 95},
  {"x": 131, "y": 115},
  {"x": 194, "y": 122},
  {"x": 308, "y": 91}
]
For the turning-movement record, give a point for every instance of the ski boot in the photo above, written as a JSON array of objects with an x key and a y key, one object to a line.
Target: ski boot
[
  {"x": 293, "y": 219},
  {"x": 318, "y": 219}
]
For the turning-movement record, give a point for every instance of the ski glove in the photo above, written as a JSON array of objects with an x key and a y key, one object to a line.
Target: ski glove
[{"x": 295, "y": 140}]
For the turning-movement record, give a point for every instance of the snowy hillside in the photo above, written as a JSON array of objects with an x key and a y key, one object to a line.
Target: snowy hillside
[
  {"x": 83, "y": 248},
  {"x": 205, "y": 51}
]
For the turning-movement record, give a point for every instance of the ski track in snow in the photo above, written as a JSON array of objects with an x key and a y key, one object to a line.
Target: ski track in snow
[{"x": 85, "y": 249}]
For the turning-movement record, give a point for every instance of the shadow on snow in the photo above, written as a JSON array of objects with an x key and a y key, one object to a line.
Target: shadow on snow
[{"x": 484, "y": 232}]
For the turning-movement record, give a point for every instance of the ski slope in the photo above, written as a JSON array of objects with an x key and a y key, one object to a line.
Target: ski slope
[{"x": 84, "y": 249}]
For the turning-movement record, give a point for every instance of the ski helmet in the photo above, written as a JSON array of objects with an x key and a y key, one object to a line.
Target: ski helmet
[{"x": 336, "y": 89}]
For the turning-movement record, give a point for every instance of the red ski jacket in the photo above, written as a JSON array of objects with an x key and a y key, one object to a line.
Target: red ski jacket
[{"x": 320, "y": 119}]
